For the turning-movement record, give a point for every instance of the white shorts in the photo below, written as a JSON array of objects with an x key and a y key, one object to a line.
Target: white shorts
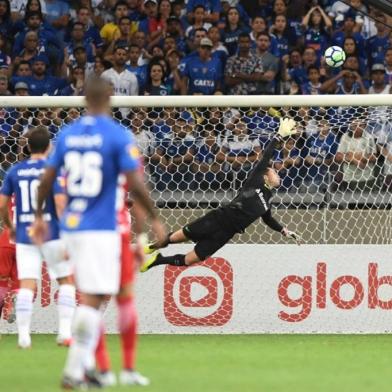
[
  {"x": 95, "y": 256},
  {"x": 29, "y": 260}
]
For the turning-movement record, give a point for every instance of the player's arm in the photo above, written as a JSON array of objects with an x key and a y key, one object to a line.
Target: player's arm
[
  {"x": 142, "y": 196},
  {"x": 286, "y": 129},
  {"x": 272, "y": 223},
  {"x": 40, "y": 228},
  {"x": 4, "y": 212},
  {"x": 60, "y": 201}
]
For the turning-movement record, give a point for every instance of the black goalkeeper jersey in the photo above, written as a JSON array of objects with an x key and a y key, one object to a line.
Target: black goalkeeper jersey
[{"x": 253, "y": 200}]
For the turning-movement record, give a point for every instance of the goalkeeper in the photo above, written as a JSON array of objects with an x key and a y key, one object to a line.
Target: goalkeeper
[{"x": 217, "y": 227}]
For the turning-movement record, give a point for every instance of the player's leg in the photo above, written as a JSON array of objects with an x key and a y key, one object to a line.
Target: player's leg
[
  {"x": 60, "y": 269},
  {"x": 200, "y": 230},
  {"x": 197, "y": 230},
  {"x": 8, "y": 283},
  {"x": 203, "y": 249},
  {"x": 107, "y": 377},
  {"x": 128, "y": 318},
  {"x": 29, "y": 262},
  {"x": 95, "y": 256}
]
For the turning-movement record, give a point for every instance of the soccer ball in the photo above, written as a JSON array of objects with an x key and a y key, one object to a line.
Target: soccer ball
[{"x": 335, "y": 56}]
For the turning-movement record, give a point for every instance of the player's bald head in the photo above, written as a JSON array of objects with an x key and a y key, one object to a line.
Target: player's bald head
[
  {"x": 97, "y": 93},
  {"x": 38, "y": 140}
]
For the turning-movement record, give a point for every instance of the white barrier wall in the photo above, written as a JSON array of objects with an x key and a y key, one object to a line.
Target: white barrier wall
[{"x": 262, "y": 289}]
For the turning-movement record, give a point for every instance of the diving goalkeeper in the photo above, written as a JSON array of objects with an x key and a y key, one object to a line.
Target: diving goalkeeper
[{"x": 215, "y": 229}]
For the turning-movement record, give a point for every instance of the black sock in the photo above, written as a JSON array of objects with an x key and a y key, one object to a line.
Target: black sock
[
  {"x": 176, "y": 260},
  {"x": 164, "y": 244}
]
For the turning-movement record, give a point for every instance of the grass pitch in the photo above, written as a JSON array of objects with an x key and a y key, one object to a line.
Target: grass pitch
[{"x": 240, "y": 363}]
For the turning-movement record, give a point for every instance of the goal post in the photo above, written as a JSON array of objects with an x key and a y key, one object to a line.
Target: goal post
[{"x": 336, "y": 184}]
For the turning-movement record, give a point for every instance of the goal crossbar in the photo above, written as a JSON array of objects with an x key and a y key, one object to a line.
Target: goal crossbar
[{"x": 205, "y": 101}]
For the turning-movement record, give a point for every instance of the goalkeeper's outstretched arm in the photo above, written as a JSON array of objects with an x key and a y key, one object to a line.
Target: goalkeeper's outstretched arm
[{"x": 286, "y": 129}]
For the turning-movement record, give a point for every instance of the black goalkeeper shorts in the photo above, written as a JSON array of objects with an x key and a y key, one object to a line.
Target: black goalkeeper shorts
[{"x": 209, "y": 233}]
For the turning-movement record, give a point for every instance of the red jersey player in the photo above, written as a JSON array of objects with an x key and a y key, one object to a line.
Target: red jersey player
[
  {"x": 126, "y": 306},
  {"x": 8, "y": 269}
]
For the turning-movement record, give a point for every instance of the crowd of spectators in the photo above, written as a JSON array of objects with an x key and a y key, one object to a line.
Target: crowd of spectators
[{"x": 236, "y": 47}]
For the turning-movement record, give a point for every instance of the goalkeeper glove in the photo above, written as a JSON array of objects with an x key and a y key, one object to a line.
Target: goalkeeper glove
[
  {"x": 287, "y": 127},
  {"x": 292, "y": 235}
]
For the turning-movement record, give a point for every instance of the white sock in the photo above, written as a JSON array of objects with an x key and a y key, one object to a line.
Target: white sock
[
  {"x": 85, "y": 331},
  {"x": 66, "y": 309},
  {"x": 24, "y": 310}
]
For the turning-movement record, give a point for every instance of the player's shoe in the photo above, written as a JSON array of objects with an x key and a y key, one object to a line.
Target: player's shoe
[
  {"x": 148, "y": 249},
  {"x": 149, "y": 261},
  {"x": 63, "y": 342},
  {"x": 69, "y": 383},
  {"x": 24, "y": 342},
  {"x": 131, "y": 377},
  {"x": 107, "y": 379},
  {"x": 91, "y": 377}
]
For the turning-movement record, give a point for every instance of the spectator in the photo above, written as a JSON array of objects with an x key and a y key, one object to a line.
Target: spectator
[
  {"x": 356, "y": 156},
  {"x": 19, "y": 8},
  {"x": 174, "y": 30},
  {"x": 218, "y": 48},
  {"x": 379, "y": 84},
  {"x": 155, "y": 82},
  {"x": 270, "y": 64},
  {"x": 22, "y": 68},
  {"x": 6, "y": 25},
  {"x": 388, "y": 65},
  {"x": 79, "y": 59},
  {"x": 91, "y": 32},
  {"x": 21, "y": 89},
  {"x": 258, "y": 26},
  {"x": 349, "y": 30},
  {"x": 209, "y": 174},
  {"x": 71, "y": 115},
  {"x": 379, "y": 116},
  {"x": 313, "y": 85},
  {"x": 280, "y": 32},
  {"x": 202, "y": 74},
  {"x": 76, "y": 87},
  {"x": 212, "y": 8},
  {"x": 319, "y": 153},
  {"x": 198, "y": 21},
  {"x": 109, "y": 31},
  {"x": 4, "y": 86},
  {"x": 139, "y": 70},
  {"x": 100, "y": 66},
  {"x": 48, "y": 43},
  {"x": 175, "y": 155},
  {"x": 378, "y": 44},
  {"x": 194, "y": 45},
  {"x": 287, "y": 162},
  {"x": 173, "y": 81},
  {"x": 386, "y": 151},
  {"x": 30, "y": 47},
  {"x": 122, "y": 36},
  {"x": 244, "y": 71},
  {"x": 316, "y": 26},
  {"x": 139, "y": 39},
  {"x": 351, "y": 50},
  {"x": 239, "y": 150},
  {"x": 345, "y": 82},
  {"x": 233, "y": 30},
  {"x": 40, "y": 83},
  {"x": 57, "y": 14},
  {"x": 124, "y": 82},
  {"x": 77, "y": 39},
  {"x": 5, "y": 60},
  {"x": 150, "y": 24}
]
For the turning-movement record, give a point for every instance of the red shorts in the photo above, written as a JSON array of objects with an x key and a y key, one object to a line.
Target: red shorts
[
  {"x": 8, "y": 264},
  {"x": 127, "y": 260}
]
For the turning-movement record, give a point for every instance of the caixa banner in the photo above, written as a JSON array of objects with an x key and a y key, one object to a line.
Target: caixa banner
[{"x": 258, "y": 289}]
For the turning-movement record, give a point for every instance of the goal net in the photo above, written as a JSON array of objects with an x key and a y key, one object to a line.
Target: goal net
[{"x": 336, "y": 174}]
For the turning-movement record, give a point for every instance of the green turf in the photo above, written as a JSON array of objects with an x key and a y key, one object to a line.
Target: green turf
[{"x": 240, "y": 363}]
